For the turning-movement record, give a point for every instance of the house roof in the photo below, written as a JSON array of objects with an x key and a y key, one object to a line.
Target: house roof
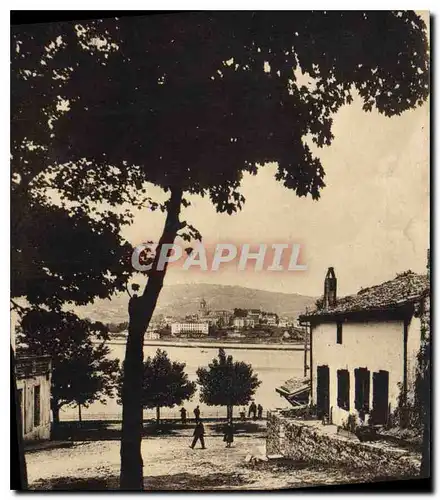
[
  {"x": 405, "y": 288},
  {"x": 293, "y": 386}
]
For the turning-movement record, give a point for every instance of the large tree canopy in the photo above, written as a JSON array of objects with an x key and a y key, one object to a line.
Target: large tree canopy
[
  {"x": 225, "y": 382},
  {"x": 164, "y": 383},
  {"x": 196, "y": 99},
  {"x": 65, "y": 237}
]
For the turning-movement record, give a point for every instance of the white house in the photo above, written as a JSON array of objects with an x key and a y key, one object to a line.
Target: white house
[
  {"x": 33, "y": 377},
  {"x": 364, "y": 346}
]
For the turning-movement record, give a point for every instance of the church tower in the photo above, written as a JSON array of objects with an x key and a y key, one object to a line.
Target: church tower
[{"x": 203, "y": 307}]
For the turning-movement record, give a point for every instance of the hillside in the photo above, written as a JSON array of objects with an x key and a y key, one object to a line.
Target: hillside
[{"x": 179, "y": 300}]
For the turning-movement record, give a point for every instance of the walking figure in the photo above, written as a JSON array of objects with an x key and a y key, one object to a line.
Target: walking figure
[
  {"x": 253, "y": 410},
  {"x": 199, "y": 434},
  {"x": 260, "y": 412},
  {"x": 183, "y": 415},
  {"x": 197, "y": 413},
  {"x": 228, "y": 432}
]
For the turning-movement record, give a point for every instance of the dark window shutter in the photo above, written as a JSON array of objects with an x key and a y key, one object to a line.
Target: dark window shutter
[
  {"x": 344, "y": 389},
  {"x": 362, "y": 389},
  {"x": 339, "y": 333}
]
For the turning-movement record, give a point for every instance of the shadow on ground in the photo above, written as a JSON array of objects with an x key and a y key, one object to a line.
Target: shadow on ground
[
  {"x": 110, "y": 430},
  {"x": 169, "y": 482}
]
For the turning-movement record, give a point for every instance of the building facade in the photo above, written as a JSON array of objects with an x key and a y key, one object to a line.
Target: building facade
[
  {"x": 364, "y": 347},
  {"x": 201, "y": 328},
  {"x": 33, "y": 376}
]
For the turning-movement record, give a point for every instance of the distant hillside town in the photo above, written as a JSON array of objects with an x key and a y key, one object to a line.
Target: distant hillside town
[{"x": 206, "y": 323}]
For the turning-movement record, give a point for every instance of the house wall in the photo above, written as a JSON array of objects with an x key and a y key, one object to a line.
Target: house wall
[
  {"x": 373, "y": 345},
  {"x": 413, "y": 346},
  {"x": 27, "y": 385}
]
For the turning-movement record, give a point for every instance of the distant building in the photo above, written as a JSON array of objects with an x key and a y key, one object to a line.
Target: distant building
[
  {"x": 203, "y": 309},
  {"x": 245, "y": 322},
  {"x": 254, "y": 314},
  {"x": 33, "y": 376},
  {"x": 271, "y": 319},
  {"x": 180, "y": 328},
  {"x": 364, "y": 347},
  {"x": 152, "y": 335},
  {"x": 238, "y": 322},
  {"x": 284, "y": 323},
  {"x": 221, "y": 317},
  {"x": 236, "y": 334}
]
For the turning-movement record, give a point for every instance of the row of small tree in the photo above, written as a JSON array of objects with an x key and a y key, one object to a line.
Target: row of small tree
[
  {"x": 82, "y": 373},
  {"x": 224, "y": 382}
]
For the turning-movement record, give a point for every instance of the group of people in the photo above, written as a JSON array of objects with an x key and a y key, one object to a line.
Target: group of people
[
  {"x": 183, "y": 414},
  {"x": 199, "y": 434},
  {"x": 256, "y": 412},
  {"x": 199, "y": 430}
]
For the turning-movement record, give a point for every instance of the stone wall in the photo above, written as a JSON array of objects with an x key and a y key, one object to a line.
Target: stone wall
[{"x": 312, "y": 442}]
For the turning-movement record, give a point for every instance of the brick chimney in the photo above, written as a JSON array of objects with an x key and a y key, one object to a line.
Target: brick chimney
[{"x": 330, "y": 289}]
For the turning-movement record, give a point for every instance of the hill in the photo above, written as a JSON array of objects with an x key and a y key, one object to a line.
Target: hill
[{"x": 179, "y": 300}]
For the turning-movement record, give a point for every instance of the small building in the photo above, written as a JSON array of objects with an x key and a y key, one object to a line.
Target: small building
[
  {"x": 238, "y": 322},
  {"x": 33, "y": 376},
  {"x": 243, "y": 322},
  {"x": 271, "y": 319},
  {"x": 284, "y": 323},
  {"x": 254, "y": 314},
  {"x": 364, "y": 347},
  {"x": 201, "y": 328},
  {"x": 296, "y": 391},
  {"x": 152, "y": 335}
]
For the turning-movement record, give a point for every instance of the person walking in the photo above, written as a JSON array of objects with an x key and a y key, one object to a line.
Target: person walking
[
  {"x": 260, "y": 412},
  {"x": 197, "y": 413},
  {"x": 228, "y": 432},
  {"x": 199, "y": 434},
  {"x": 183, "y": 415},
  {"x": 253, "y": 410}
]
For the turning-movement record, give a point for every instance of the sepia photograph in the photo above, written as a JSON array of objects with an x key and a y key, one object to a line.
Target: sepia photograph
[{"x": 220, "y": 262}]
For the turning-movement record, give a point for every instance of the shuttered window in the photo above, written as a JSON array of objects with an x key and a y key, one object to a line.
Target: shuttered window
[
  {"x": 339, "y": 333},
  {"x": 362, "y": 389},
  {"x": 344, "y": 389},
  {"x": 37, "y": 407}
]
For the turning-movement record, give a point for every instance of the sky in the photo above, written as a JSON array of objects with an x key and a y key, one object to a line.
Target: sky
[{"x": 371, "y": 222}]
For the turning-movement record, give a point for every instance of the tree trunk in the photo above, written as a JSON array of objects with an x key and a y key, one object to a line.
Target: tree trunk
[
  {"x": 20, "y": 461},
  {"x": 140, "y": 311},
  {"x": 55, "y": 414},
  {"x": 79, "y": 413},
  {"x": 229, "y": 412},
  {"x": 157, "y": 415}
]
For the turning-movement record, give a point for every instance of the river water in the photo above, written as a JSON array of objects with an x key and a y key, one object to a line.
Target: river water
[{"x": 273, "y": 366}]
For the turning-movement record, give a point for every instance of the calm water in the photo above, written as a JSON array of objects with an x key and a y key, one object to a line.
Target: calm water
[{"x": 272, "y": 366}]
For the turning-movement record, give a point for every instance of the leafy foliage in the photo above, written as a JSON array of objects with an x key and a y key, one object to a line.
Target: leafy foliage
[
  {"x": 197, "y": 99},
  {"x": 227, "y": 383},
  {"x": 165, "y": 382},
  {"x": 81, "y": 370}
]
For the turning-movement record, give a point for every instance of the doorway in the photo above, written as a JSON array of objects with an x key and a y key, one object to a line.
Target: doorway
[{"x": 323, "y": 391}]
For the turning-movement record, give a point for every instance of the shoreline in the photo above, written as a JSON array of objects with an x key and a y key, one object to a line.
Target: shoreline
[{"x": 216, "y": 345}]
